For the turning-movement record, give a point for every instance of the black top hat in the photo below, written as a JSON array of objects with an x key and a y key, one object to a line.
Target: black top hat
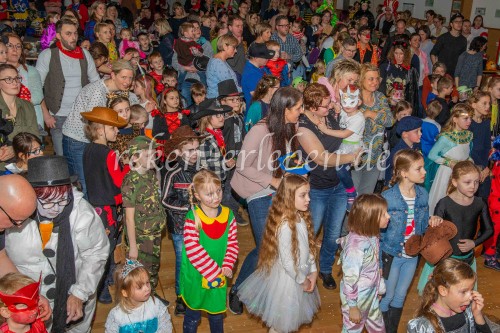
[
  {"x": 201, "y": 63},
  {"x": 210, "y": 107},
  {"x": 228, "y": 88},
  {"x": 49, "y": 171},
  {"x": 260, "y": 50}
]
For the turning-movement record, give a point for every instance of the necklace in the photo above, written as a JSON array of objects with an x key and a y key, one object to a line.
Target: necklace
[
  {"x": 141, "y": 324},
  {"x": 448, "y": 312}
]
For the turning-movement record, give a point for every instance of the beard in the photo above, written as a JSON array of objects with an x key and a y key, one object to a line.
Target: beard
[{"x": 67, "y": 45}]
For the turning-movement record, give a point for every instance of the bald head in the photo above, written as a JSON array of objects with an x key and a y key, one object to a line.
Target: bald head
[{"x": 17, "y": 198}]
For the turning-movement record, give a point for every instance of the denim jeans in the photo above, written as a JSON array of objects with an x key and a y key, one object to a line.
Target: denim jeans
[
  {"x": 345, "y": 176},
  {"x": 328, "y": 208},
  {"x": 228, "y": 199},
  {"x": 258, "y": 210},
  {"x": 178, "y": 241},
  {"x": 73, "y": 151},
  {"x": 192, "y": 319},
  {"x": 400, "y": 276},
  {"x": 57, "y": 135},
  {"x": 185, "y": 90}
]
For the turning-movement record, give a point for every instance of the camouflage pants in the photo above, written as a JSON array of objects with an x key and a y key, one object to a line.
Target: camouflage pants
[{"x": 148, "y": 247}]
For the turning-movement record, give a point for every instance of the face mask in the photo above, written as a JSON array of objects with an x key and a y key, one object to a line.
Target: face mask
[
  {"x": 349, "y": 98},
  {"x": 24, "y": 316},
  {"x": 28, "y": 296}
]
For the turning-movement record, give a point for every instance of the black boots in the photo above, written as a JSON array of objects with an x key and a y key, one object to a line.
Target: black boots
[{"x": 392, "y": 319}]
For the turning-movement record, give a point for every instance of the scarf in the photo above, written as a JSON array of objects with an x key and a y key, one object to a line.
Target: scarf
[
  {"x": 219, "y": 137},
  {"x": 77, "y": 53},
  {"x": 65, "y": 266}
]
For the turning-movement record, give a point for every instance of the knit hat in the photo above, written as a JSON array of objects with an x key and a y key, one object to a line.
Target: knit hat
[
  {"x": 434, "y": 245},
  {"x": 407, "y": 124}
]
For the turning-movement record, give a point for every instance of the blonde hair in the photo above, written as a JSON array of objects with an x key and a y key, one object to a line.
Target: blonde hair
[
  {"x": 262, "y": 27},
  {"x": 202, "y": 179},
  {"x": 434, "y": 108},
  {"x": 402, "y": 161},
  {"x": 12, "y": 282},
  {"x": 162, "y": 26},
  {"x": 461, "y": 109},
  {"x": 226, "y": 40},
  {"x": 344, "y": 67},
  {"x": 119, "y": 65},
  {"x": 476, "y": 97},
  {"x": 460, "y": 169},
  {"x": 365, "y": 68},
  {"x": 91, "y": 130},
  {"x": 366, "y": 213},
  {"x": 99, "y": 26},
  {"x": 136, "y": 112},
  {"x": 489, "y": 83},
  {"x": 184, "y": 27},
  {"x": 135, "y": 278},
  {"x": 283, "y": 212},
  {"x": 447, "y": 273}
]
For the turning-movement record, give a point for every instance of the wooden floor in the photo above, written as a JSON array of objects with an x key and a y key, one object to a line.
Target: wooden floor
[{"x": 328, "y": 319}]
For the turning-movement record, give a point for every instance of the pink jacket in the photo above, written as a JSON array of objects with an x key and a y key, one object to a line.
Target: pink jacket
[{"x": 125, "y": 44}]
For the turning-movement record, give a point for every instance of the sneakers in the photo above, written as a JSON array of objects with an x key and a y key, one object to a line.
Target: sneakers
[
  {"x": 351, "y": 196},
  {"x": 161, "y": 299},
  {"x": 180, "y": 307},
  {"x": 491, "y": 262},
  {"x": 235, "y": 306},
  {"x": 328, "y": 281},
  {"x": 105, "y": 296}
]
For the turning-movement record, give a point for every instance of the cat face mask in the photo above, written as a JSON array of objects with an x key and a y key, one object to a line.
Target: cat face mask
[{"x": 349, "y": 98}]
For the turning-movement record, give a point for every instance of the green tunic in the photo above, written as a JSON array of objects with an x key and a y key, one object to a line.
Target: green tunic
[{"x": 192, "y": 291}]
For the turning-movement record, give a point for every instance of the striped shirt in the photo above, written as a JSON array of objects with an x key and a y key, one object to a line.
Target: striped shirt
[{"x": 199, "y": 257}]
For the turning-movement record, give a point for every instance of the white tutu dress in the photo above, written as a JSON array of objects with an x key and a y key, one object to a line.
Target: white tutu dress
[{"x": 278, "y": 298}]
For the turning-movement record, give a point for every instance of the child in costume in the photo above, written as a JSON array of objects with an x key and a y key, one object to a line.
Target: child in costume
[
  {"x": 352, "y": 124},
  {"x": 282, "y": 291},
  {"x": 144, "y": 88},
  {"x": 145, "y": 218},
  {"x": 49, "y": 33},
  {"x": 453, "y": 145},
  {"x": 443, "y": 308},
  {"x": 136, "y": 310},
  {"x": 19, "y": 297},
  {"x": 490, "y": 253},
  {"x": 105, "y": 174},
  {"x": 463, "y": 209},
  {"x": 409, "y": 210},
  {"x": 209, "y": 253},
  {"x": 277, "y": 66},
  {"x": 362, "y": 283}
]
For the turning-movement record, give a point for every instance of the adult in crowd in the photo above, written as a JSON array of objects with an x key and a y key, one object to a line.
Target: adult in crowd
[
  {"x": 328, "y": 196},
  {"x": 238, "y": 60},
  {"x": 386, "y": 22},
  {"x": 113, "y": 14},
  {"x": 271, "y": 11},
  {"x": 261, "y": 98},
  {"x": 29, "y": 75},
  {"x": 326, "y": 23},
  {"x": 179, "y": 17},
  {"x": 424, "y": 64},
  {"x": 365, "y": 11},
  {"x": 400, "y": 29},
  {"x": 218, "y": 68},
  {"x": 439, "y": 28},
  {"x": 289, "y": 46},
  {"x": 14, "y": 107},
  {"x": 378, "y": 116},
  {"x": 366, "y": 51},
  {"x": 451, "y": 45},
  {"x": 65, "y": 242},
  {"x": 166, "y": 40},
  {"x": 97, "y": 13},
  {"x": 258, "y": 55},
  {"x": 466, "y": 31},
  {"x": 64, "y": 71},
  {"x": 478, "y": 29},
  {"x": 348, "y": 50},
  {"x": 345, "y": 72},
  {"x": 429, "y": 17},
  {"x": 251, "y": 22},
  {"x": 258, "y": 175},
  {"x": 97, "y": 93},
  {"x": 426, "y": 45}
]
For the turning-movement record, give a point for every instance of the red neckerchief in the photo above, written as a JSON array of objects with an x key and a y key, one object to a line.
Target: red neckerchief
[
  {"x": 219, "y": 137},
  {"x": 403, "y": 65},
  {"x": 77, "y": 53},
  {"x": 276, "y": 66},
  {"x": 24, "y": 93}
]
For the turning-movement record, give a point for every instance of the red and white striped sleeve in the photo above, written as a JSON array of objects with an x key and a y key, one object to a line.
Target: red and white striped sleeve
[
  {"x": 196, "y": 254},
  {"x": 232, "y": 246}
]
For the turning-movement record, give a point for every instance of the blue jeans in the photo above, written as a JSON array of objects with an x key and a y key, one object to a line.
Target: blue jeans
[
  {"x": 73, "y": 151},
  {"x": 345, "y": 176},
  {"x": 400, "y": 276},
  {"x": 258, "y": 210},
  {"x": 192, "y": 319},
  {"x": 328, "y": 208},
  {"x": 178, "y": 241},
  {"x": 57, "y": 136}
]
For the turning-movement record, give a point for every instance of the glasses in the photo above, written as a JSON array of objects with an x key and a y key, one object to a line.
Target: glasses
[
  {"x": 12, "y": 46},
  {"x": 37, "y": 151},
  {"x": 10, "y": 80},
  {"x": 15, "y": 223},
  {"x": 234, "y": 99},
  {"x": 49, "y": 205}
]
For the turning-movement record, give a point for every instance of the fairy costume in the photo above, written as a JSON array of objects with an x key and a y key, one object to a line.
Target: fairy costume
[
  {"x": 205, "y": 252},
  {"x": 451, "y": 146}
]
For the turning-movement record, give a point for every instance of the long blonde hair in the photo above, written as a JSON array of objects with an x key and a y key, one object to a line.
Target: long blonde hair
[
  {"x": 447, "y": 273},
  {"x": 201, "y": 179},
  {"x": 460, "y": 169},
  {"x": 458, "y": 110},
  {"x": 283, "y": 211}
]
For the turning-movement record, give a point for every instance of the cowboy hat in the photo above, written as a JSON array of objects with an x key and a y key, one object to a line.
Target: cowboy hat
[
  {"x": 182, "y": 134},
  {"x": 210, "y": 107},
  {"x": 105, "y": 116}
]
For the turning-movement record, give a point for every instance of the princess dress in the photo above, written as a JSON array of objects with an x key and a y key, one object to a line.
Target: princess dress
[{"x": 277, "y": 297}]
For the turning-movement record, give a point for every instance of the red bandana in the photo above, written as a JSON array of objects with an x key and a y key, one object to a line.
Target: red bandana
[
  {"x": 219, "y": 137},
  {"x": 77, "y": 53}
]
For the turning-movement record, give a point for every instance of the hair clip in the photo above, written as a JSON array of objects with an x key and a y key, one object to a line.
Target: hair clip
[{"x": 130, "y": 265}]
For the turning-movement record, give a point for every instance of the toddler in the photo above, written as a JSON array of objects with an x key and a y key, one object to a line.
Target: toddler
[{"x": 127, "y": 42}]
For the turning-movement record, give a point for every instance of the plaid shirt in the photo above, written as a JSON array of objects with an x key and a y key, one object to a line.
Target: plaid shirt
[
  {"x": 291, "y": 46},
  {"x": 211, "y": 158}
]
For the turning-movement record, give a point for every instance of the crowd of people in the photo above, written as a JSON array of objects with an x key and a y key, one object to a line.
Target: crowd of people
[{"x": 374, "y": 129}]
